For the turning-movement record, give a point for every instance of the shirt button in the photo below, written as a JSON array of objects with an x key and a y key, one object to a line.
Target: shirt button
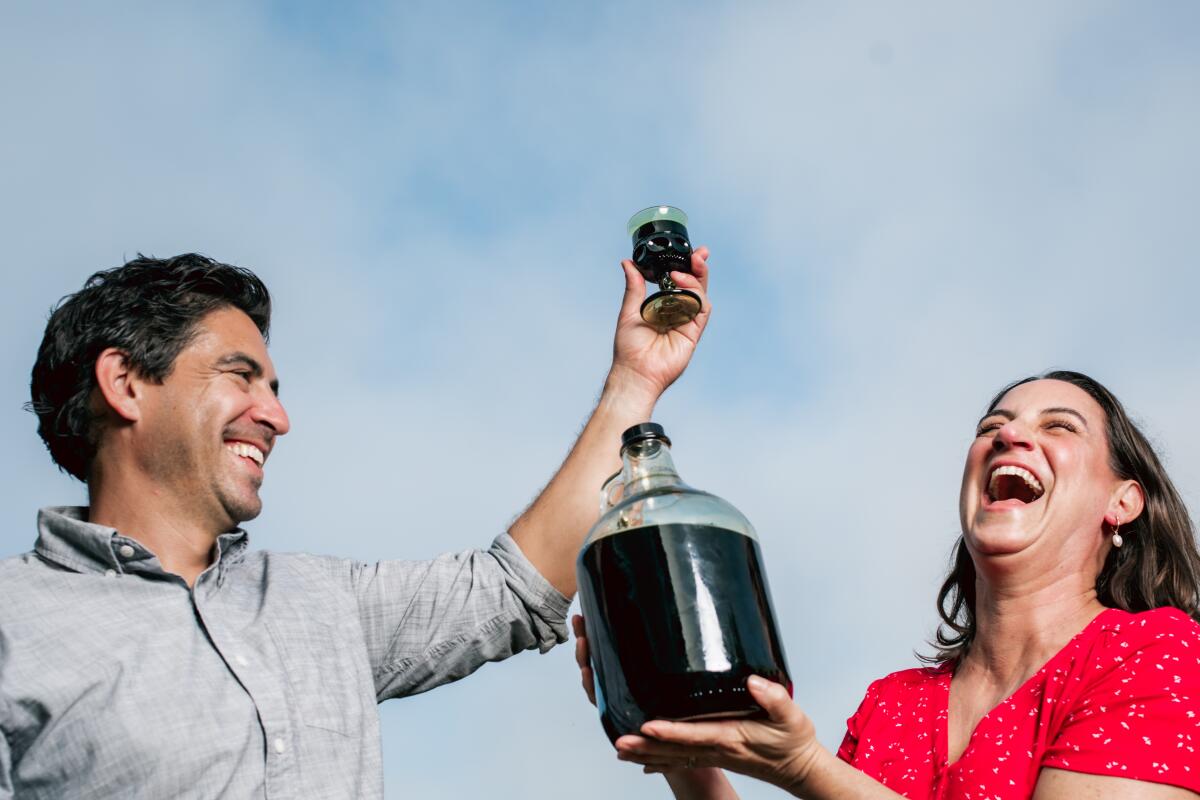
[
  {"x": 280, "y": 746},
  {"x": 126, "y": 551},
  {"x": 241, "y": 661},
  {"x": 110, "y": 573}
]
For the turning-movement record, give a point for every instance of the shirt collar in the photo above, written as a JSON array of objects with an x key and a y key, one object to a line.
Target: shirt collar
[{"x": 65, "y": 537}]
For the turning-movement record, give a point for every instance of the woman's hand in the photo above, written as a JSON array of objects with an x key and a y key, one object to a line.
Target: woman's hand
[
  {"x": 686, "y": 784},
  {"x": 780, "y": 749}
]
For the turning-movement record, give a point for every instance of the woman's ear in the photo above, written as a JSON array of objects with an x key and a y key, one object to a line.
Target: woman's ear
[
  {"x": 1127, "y": 503},
  {"x": 119, "y": 384}
]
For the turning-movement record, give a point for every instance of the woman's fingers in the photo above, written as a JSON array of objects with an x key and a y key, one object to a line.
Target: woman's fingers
[
  {"x": 653, "y": 753},
  {"x": 773, "y": 698},
  {"x": 689, "y": 734}
]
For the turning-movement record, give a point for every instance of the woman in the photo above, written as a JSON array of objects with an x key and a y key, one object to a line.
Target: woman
[{"x": 1068, "y": 665}]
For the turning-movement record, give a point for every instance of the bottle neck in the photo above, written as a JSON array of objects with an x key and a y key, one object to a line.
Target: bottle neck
[{"x": 647, "y": 465}]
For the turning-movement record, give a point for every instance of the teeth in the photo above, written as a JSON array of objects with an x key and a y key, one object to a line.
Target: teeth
[
  {"x": 247, "y": 450},
  {"x": 1019, "y": 472}
]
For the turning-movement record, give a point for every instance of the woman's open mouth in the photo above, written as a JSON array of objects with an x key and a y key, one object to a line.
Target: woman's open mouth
[{"x": 1013, "y": 486}]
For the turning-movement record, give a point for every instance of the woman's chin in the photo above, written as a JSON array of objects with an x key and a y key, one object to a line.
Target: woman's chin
[{"x": 999, "y": 537}]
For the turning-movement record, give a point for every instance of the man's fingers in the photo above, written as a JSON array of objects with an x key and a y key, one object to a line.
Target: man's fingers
[
  {"x": 581, "y": 653},
  {"x": 581, "y": 645},
  {"x": 685, "y": 281},
  {"x": 690, "y": 282},
  {"x": 581, "y": 658},
  {"x": 635, "y": 290},
  {"x": 700, "y": 265},
  {"x": 589, "y": 684}
]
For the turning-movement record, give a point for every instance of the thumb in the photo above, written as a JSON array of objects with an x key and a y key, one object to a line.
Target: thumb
[
  {"x": 635, "y": 290},
  {"x": 773, "y": 698}
]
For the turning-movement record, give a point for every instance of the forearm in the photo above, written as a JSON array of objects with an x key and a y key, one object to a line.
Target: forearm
[
  {"x": 827, "y": 777},
  {"x": 700, "y": 784},
  {"x": 552, "y": 529}
]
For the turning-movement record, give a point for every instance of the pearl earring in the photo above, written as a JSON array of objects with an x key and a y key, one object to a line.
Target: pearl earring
[{"x": 1117, "y": 540}]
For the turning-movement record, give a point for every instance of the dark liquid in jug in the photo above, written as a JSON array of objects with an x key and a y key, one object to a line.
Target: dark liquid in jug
[{"x": 678, "y": 616}]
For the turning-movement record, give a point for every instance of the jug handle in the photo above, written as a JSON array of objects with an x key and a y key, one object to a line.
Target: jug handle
[{"x": 610, "y": 492}]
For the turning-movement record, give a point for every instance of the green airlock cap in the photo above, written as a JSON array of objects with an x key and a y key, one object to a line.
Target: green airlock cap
[{"x": 655, "y": 214}]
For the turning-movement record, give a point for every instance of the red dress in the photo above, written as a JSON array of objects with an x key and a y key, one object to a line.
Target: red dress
[{"x": 1121, "y": 699}]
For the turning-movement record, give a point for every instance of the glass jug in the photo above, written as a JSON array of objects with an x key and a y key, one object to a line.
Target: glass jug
[{"x": 674, "y": 597}]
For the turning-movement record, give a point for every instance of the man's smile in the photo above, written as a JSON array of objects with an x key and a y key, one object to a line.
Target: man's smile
[{"x": 247, "y": 452}]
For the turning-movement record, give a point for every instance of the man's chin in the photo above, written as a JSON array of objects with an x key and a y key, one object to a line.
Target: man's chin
[{"x": 243, "y": 510}]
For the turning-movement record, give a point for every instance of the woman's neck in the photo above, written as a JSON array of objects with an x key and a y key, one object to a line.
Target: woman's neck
[{"x": 1020, "y": 625}]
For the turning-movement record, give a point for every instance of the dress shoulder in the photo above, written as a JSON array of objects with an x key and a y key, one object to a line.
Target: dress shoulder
[
  {"x": 1133, "y": 707},
  {"x": 888, "y": 696},
  {"x": 1158, "y": 634},
  {"x": 1156, "y": 623},
  {"x": 904, "y": 679}
]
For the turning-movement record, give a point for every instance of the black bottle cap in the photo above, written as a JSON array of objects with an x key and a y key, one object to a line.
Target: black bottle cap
[
  {"x": 657, "y": 226},
  {"x": 646, "y": 430}
]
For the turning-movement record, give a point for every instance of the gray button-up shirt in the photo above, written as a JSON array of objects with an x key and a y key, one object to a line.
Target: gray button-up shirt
[{"x": 117, "y": 680}]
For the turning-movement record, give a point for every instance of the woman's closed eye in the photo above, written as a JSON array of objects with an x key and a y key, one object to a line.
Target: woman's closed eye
[{"x": 988, "y": 427}]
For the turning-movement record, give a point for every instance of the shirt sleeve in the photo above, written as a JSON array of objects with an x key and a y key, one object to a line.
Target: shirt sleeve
[
  {"x": 427, "y": 623},
  {"x": 1140, "y": 717},
  {"x": 6, "y": 766},
  {"x": 854, "y": 725}
]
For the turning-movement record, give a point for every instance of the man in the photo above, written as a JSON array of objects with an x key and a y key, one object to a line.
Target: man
[{"x": 146, "y": 651}]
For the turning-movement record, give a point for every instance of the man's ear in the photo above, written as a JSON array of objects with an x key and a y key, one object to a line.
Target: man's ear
[{"x": 119, "y": 384}]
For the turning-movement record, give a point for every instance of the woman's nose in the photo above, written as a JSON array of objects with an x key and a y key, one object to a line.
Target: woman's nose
[{"x": 1012, "y": 436}]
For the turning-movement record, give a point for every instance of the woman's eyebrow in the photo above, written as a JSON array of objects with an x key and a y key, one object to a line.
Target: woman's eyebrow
[
  {"x": 1065, "y": 410},
  {"x": 997, "y": 412}
]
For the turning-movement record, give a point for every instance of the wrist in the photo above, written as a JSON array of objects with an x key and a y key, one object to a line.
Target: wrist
[
  {"x": 699, "y": 783},
  {"x": 629, "y": 394},
  {"x": 804, "y": 770}
]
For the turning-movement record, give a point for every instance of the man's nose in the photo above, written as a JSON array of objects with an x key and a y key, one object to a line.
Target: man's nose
[{"x": 269, "y": 411}]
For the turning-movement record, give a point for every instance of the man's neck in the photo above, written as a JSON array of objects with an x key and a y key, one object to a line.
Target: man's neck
[{"x": 183, "y": 542}]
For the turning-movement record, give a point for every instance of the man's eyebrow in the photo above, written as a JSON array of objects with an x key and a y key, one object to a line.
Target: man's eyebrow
[
  {"x": 256, "y": 369},
  {"x": 1065, "y": 410}
]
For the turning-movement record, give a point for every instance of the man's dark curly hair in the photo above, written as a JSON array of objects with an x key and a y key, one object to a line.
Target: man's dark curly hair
[{"x": 149, "y": 309}]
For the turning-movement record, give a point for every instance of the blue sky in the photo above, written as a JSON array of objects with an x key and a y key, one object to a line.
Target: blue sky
[{"x": 908, "y": 206}]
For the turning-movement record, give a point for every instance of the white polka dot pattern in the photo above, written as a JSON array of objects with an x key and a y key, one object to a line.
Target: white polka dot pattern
[{"x": 1122, "y": 698}]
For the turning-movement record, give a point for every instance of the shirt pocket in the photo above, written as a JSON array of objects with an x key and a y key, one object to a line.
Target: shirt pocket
[{"x": 321, "y": 674}]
